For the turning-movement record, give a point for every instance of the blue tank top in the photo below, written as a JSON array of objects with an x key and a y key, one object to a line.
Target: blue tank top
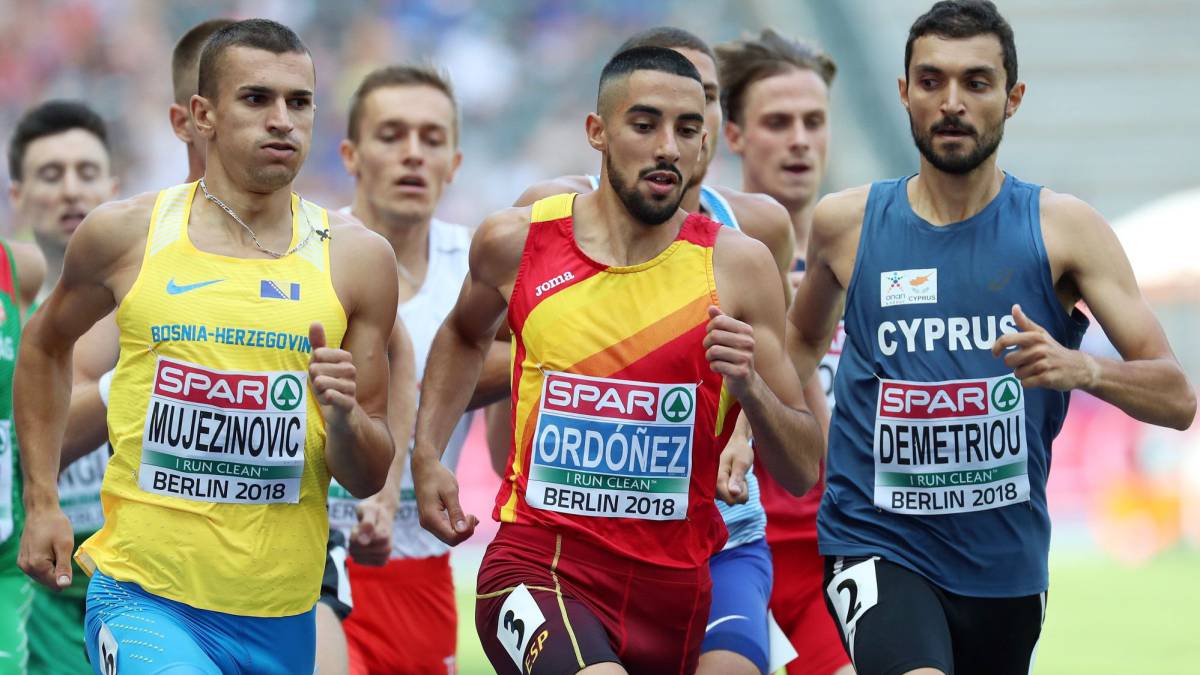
[
  {"x": 938, "y": 456},
  {"x": 745, "y": 522}
]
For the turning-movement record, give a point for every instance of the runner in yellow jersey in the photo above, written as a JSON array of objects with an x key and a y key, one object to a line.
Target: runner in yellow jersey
[{"x": 253, "y": 338}]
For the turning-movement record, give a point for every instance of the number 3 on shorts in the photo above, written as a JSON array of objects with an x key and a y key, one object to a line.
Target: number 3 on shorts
[
  {"x": 520, "y": 617},
  {"x": 108, "y": 651},
  {"x": 852, "y": 592}
]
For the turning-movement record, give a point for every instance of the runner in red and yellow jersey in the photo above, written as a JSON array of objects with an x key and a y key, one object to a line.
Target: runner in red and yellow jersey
[{"x": 638, "y": 332}]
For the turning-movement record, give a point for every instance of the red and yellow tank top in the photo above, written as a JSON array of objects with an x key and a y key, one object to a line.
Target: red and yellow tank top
[
  {"x": 618, "y": 421},
  {"x": 215, "y": 494}
]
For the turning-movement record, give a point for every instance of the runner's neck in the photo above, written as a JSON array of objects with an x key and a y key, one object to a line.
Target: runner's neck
[{"x": 942, "y": 198}]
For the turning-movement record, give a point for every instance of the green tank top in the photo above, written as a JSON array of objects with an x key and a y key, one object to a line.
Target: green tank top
[{"x": 12, "y": 514}]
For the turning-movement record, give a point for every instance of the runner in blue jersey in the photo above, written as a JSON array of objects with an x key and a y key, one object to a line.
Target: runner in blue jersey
[{"x": 960, "y": 287}]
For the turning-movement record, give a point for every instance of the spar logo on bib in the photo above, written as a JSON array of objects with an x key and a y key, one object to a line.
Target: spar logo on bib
[
  {"x": 612, "y": 448},
  {"x": 1006, "y": 394},
  {"x": 286, "y": 392},
  {"x": 950, "y": 447},
  {"x": 677, "y": 405}
]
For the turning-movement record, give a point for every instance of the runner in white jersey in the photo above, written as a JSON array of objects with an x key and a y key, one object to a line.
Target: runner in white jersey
[{"x": 402, "y": 150}]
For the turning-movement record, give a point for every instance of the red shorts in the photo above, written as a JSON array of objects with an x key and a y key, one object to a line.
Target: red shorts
[
  {"x": 798, "y": 603},
  {"x": 404, "y": 618},
  {"x": 555, "y": 604}
]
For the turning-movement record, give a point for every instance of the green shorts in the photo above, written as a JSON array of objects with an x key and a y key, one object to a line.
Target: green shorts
[
  {"x": 16, "y": 600},
  {"x": 56, "y": 627}
]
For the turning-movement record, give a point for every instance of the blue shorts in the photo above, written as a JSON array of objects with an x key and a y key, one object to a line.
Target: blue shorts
[
  {"x": 737, "y": 621},
  {"x": 132, "y": 632}
]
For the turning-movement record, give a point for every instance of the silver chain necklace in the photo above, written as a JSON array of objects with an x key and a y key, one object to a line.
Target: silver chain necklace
[{"x": 274, "y": 254}]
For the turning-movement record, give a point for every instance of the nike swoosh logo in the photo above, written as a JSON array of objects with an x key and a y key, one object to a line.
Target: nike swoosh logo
[
  {"x": 173, "y": 289},
  {"x": 723, "y": 619}
]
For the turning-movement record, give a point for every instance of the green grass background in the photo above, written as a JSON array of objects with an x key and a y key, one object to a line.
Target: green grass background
[{"x": 1102, "y": 618}]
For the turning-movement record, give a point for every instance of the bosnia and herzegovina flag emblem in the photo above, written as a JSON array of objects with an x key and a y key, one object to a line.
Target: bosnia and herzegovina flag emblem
[{"x": 275, "y": 291}]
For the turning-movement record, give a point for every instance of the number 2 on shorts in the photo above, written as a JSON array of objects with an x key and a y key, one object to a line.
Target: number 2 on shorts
[
  {"x": 520, "y": 617},
  {"x": 852, "y": 592}
]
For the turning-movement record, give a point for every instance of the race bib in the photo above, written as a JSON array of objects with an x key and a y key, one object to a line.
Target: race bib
[
  {"x": 6, "y": 480},
  {"x": 950, "y": 447},
  {"x": 225, "y": 436},
  {"x": 107, "y": 646},
  {"x": 612, "y": 448},
  {"x": 852, "y": 592},
  {"x": 520, "y": 617},
  {"x": 79, "y": 491}
]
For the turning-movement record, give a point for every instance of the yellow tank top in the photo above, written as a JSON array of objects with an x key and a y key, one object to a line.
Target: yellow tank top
[{"x": 215, "y": 494}]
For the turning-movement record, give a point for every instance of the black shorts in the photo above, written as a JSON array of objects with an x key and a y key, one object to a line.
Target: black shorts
[
  {"x": 893, "y": 620},
  {"x": 335, "y": 585}
]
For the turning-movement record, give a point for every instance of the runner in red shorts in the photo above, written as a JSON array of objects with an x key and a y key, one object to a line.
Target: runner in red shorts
[
  {"x": 638, "y": 333},
  {"x": 776, "y": 96},
  {"x": 402, "y": 150}
]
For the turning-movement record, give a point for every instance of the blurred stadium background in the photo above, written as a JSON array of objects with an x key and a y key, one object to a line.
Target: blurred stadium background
[{"x": 1109, "y": 115}]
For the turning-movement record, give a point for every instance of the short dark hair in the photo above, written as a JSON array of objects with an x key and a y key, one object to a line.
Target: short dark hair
[
  {"x": 667, "y": 37},
  {"x": 965, "y": 19},
  {"x": 261, "y": 34},
  {"x": 187, "y": 53},
  {"x": 661, "y": 59},
  {"x": 403, "y": 75},
  {"x": 743, "y": 62},
  {"x": 49, "y": 119}
]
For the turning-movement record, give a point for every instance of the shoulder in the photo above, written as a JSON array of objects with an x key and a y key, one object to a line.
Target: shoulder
[
  {"x": 1075, "y": 234},
  {"x": 738, "y": 251},
  {"x": 1061, "y": 210},
  {"x": 30, "y": 265},
  {"x": 349, "y": 235},
  {"x": 760, "y": 216},
  {"x": 555, "y": 186},
  {"x": 503, "y": 232},
  {"x": 840, "y": 211},
  {"x": 114, "y": 228}
]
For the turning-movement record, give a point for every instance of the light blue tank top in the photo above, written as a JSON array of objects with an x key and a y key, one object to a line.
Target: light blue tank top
[{"x": 938, "y": 456}]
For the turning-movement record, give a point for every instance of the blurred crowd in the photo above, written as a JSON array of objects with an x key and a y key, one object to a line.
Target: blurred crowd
[{"x": 524, "y": 74}]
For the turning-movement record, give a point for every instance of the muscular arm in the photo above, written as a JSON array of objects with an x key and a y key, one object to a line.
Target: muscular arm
[
  {"x": 455, "y": 361},
  {"x": 1148, "y": 382},
  {"x": 371, "y": 539},
  {"x": 96, "y": 353},
  {"x": 354, "y": 393},
  {"x": 495, "y": 378},
  {"x": 96, "y": 270},
  {"x": 764, "y": 219},
  {"x": 402, "y": 407},
  {"x": 832, "y": 246},
  {"x": 786, "y": 435}
]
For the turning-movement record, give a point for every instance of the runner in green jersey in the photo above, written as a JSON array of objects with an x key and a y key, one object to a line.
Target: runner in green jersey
[
  {"x": 21, "y": 272},
  {"x": 59, "y": 161}
]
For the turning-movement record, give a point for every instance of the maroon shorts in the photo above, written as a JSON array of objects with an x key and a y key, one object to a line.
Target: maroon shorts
[
  {"x": 551, "y": 604},
  {"x": 798, "y": 604}
]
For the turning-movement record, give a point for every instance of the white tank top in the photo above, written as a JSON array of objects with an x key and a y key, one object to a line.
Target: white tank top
[{"x": 423, "y": 314}]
